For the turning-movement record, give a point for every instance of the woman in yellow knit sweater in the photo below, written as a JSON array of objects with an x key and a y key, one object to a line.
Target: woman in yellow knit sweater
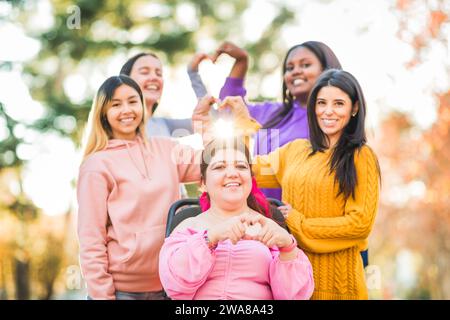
[{"x": 331, "y": 182}]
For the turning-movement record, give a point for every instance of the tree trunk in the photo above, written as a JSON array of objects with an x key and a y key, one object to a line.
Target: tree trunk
[{"x": 22, "y": 279}]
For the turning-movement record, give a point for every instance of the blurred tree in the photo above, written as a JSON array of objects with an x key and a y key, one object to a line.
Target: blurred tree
[
  {"x": 415, "y": 207},
  {"x": 8, "y": 146},
  {"x": 47, "y": 265},
  {"x": 106, "y": 28}
]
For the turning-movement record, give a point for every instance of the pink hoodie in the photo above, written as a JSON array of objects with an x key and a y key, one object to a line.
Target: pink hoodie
[{"x": 123, "y": 204}]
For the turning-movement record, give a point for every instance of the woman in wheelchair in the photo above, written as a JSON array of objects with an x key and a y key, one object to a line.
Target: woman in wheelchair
[{"x": 234, "y": 250}]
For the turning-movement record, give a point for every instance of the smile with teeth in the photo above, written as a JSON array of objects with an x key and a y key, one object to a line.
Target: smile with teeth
[
  {"x": 127, "y": 120},
  {"x": 298, "y": 82},
  {"x": 232, "y": 184},
  {"x": 152, "y": 87},
  {"x": 329, "y": 122}
]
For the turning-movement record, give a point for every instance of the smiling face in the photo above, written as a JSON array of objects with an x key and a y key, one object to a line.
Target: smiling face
[
  {"x": 124, "y": 113},
  {"x": 333, "y": 112},
  {"x": 147, "y": 72},
  {"x": 228, "y": 179},
  {"x": 302, "y": 70}
]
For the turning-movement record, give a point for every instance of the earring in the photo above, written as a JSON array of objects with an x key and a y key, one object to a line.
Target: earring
[
  {"x": 287, "y": 93},
  {"x": 353, "y": 114}
]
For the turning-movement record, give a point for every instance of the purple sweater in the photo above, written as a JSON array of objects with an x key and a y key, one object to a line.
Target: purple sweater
[{"x": 293, "y": 126}]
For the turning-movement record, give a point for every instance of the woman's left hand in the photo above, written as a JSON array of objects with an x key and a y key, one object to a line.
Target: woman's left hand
[
  {"x": 243, "y": 122},
  {"x": 196, "y": 59},
  {"x": 271, "y": 233}
]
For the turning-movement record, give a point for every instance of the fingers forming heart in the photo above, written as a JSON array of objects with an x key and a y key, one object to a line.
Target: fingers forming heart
[
  {"x": 252, "y": 230},
  {"x": 213, "y": 57}
]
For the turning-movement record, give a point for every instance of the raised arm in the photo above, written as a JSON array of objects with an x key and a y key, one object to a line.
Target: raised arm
[
  {"x": 234, "y": 84},
  {"x": 240, "y": 65},
  {"x": 201, "y": 118},
  {"x": 196, "y": 81}
]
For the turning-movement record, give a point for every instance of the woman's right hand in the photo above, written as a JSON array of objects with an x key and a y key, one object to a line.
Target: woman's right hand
[
  {"x": 201, "y": 120},
  {"x": 232, "y": 50}
]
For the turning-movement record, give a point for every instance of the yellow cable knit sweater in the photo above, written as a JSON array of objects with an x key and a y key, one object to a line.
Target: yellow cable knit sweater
[{"x": 332, "y": 231}]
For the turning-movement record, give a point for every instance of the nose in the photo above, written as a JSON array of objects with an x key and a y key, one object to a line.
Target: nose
[
  {"x": 126, "y": 107},
  {"x": 297, "y": 70},
  {"x": 231, "y": 171},
  {"x": 153, "y": 75},
  {"x": 328, "y": 109}
]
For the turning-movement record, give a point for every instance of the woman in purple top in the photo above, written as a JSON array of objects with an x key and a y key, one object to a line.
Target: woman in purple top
[{"x": 282, "y": 121}]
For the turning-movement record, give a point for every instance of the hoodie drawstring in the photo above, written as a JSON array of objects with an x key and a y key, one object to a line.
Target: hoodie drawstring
[{"x": 144, "y": 175}]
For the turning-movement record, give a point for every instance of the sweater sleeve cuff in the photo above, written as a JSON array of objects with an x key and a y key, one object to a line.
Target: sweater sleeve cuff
[{"x": 234, "y": 82}]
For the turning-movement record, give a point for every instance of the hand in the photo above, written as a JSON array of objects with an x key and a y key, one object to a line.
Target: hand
[
  {"x": 201, "y": 110},
  {"x": 201, "y": 120},
  {"x": 285, "y": 210},
  {"x": 203, "y": 106},
  {"x": 243, "y": 122},
  {"x": 271, "y": 233},
  {"x": 232, "y": 50},
  {"x": 233, "y": 229},
  {"x": 194, "y": 63}
]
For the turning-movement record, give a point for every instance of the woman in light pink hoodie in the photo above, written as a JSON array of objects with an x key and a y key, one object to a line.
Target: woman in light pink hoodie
[{"x": 125, "y": 187}]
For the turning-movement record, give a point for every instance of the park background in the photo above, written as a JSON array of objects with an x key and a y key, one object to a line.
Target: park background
[{"x": 54, "y": 54}]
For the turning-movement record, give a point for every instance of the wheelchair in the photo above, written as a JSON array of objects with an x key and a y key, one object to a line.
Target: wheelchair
[{"x": 190, "y": 207}]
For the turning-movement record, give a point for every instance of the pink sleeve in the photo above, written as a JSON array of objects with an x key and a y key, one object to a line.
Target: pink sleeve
[
  {"x": 92, "y": 193},
  {"x": 185, "y": 262},
  {"x": 291, "y": 280},
  {"x": 187, "y": 160}
]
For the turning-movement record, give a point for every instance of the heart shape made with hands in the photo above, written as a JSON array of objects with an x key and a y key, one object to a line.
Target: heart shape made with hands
[{"x": 252, "y": 230}]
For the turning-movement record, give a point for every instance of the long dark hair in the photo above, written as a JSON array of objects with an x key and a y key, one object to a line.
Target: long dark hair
[
  {"x": 128, "y": 66},
  {"x": 256, "y": 199},
  {"x": 327, "y": 59},
  {"x": 353, "y": 136}
]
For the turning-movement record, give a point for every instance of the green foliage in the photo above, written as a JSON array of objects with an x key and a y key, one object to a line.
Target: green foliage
[
  {"x": 8, "y": 147},
  {"x": 66, "y": 48}
]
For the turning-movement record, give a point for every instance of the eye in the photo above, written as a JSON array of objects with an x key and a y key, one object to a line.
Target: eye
[
  {"x": 320, "y": 103},
  {"x": 242, "y": 166},
  {"x": 289, "y": 68},
  {"x": 340, "y": 104},
  {"x": 133, "y": 101},
  {"x": 305, "y": 65},
  {"x": 219, "y": 167},
  {"x": 115, "y": 105}
]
